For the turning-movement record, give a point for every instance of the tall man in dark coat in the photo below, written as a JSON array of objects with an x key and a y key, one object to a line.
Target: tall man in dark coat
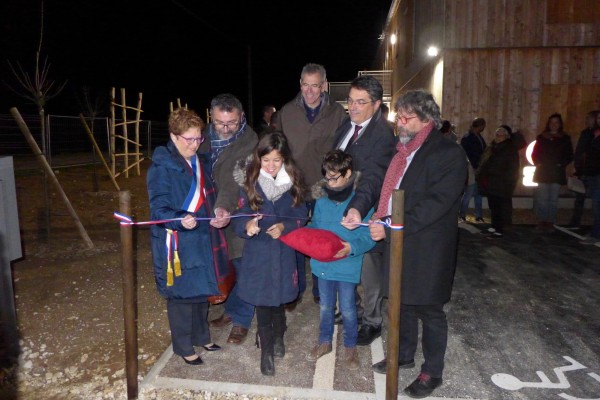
[
  {"x": 431, "y": 170},
  {"x": 309, "y": 122},
  {"x": 367, "y": 136}
]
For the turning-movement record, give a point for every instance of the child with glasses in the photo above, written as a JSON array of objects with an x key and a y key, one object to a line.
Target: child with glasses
[{"x": 338, "y": 279}]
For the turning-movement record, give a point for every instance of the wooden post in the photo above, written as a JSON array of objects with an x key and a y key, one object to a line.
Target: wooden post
[
  {"x": 137, "y": 134},
  {"x": 395, "y": 296},
  {"x": 89, "y": 132},
  {"x": 129, "y": 298},
  {"x": 40, "y": 157},
  {"x": 125, "y": 135},
  {"x": 113, "y": 133}
]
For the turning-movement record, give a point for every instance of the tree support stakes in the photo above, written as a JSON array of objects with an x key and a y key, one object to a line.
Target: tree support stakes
[{"x": 42, "y": 159}]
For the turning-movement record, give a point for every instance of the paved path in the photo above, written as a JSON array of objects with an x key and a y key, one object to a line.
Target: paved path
[{"x": 524, "y": 324}]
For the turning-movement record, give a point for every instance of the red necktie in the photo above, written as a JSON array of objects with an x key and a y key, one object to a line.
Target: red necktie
[{"x": 355, "y": 134}]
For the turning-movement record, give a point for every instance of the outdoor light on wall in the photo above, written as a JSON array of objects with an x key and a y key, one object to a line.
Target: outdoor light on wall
[
  {"x": 530, "y": 169},
  {"x": 393, "y": 39},
  {"x": 433, "y": 51}
]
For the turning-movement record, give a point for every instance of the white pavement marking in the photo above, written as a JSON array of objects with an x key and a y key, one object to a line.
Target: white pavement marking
[
  {"x": 379, "y": 379},
  {"x": 570, "y": 232},
  {"x": 325, "y": 368}
]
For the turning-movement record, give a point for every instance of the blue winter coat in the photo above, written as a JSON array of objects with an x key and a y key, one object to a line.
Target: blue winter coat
[
  {"x": 169, "y": 180},
  {"x": 327, "y": 215},
  {"x": 268, "y": 275}
]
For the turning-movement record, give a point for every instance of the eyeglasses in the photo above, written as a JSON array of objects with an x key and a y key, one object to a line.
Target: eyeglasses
[
  {"x": 229, "y": 125},
  {"x": 191, "y": 140},
  {"x": 404, "y": 120},
  {"x": 332, "y": 180},
  {"x": 311, "y": 85},
  {"x": 359, "y": 102}
]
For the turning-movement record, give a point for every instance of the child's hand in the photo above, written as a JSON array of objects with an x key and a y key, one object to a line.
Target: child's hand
[
  {"x": 276, "y": 230},
  {"x": 343, "y": 252},
  {"x": 252, "y": 227}
]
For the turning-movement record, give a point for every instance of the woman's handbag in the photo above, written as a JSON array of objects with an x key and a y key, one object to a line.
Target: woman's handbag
[
  {"x": 225, "y": 280},
  {"x": 224, "y": 269}
]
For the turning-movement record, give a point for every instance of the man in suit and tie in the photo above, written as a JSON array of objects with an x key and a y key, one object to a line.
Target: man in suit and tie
[{"x": 368, "y": 137}]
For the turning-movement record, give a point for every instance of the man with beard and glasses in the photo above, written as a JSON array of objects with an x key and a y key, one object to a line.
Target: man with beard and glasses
[
  {"x": 431, "y": 170},
  {"x": 231, "y": 139}
]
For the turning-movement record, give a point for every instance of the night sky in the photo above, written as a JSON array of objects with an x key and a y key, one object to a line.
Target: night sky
[{"x": 186, "y": 49}]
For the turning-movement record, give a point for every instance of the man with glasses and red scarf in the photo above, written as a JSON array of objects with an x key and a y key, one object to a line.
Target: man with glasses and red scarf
[
  {"x": 431, "y": 170},
  {"x": 231, "y": 139}
]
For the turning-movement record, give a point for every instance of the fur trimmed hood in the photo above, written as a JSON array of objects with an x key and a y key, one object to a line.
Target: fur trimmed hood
[
  {"x": 239, "y": 170},
  {"x": 318, "y": 189}
]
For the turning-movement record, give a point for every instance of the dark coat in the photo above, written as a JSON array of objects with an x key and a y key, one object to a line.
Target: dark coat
[
  {"x": 498, "y": 171},
  {"x": 474, "y": 145},
  {"x": 551, "y": 155},
  {"x": 169, "y": 179},
  {"x": 587, "y": 154},
  {"x": 268, "y": 275},
  {"x": 433, "y": 185},
  {"x": 309, "y": 142},
  {"x": 228, "y": 190},
  {"x": 371, "y": 155}
]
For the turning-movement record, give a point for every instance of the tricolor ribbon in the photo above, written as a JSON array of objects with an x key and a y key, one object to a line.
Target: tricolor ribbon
[
  {"x": 126, "y": 220},
  {"x": 385, "y": 222}
]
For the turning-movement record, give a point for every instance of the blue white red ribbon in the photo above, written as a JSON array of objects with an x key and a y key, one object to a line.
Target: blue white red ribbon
[
  {"x": 127, "y": 220},
  {"x": 385, "y": 222}
]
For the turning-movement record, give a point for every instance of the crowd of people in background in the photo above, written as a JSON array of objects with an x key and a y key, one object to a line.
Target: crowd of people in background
[{"x": 311, "y": 163}]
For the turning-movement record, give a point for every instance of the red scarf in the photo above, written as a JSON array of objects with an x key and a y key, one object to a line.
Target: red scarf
[{"x": 397, "y": 167}]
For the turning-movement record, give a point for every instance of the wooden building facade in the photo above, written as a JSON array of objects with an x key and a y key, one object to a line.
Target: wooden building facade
[{"x": 511, "y": 62}]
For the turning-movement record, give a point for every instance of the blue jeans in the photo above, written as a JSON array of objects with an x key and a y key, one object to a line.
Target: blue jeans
[
  {"x": 344, "y": 292},
  {"x": 240, "y": 311},
  {"x": 594, "y": 188},
  {"x": 471, "y": 191},
  {"x": 545, "y": 201}
]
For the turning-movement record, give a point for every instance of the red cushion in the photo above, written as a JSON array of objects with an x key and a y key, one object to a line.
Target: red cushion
[{"x": 319, "y": 244}]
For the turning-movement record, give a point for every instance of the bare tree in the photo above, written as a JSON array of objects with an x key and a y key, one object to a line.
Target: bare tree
[{"x": 38, "y": 89}]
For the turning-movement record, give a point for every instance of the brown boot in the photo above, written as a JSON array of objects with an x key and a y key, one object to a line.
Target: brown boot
[
  {"x": 351, "y": 358},
  {"x": 319, "y": 351},
  {"x": 221, "y": 322},
  {"x": 237, "y": 335}
]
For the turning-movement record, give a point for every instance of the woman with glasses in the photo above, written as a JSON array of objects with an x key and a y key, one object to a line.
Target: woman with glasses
[{"x": 182, "y": 246}]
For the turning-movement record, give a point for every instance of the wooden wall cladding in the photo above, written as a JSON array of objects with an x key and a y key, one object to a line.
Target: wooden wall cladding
[
  {"x": 521, "y": 23},
  {"x": 519, "y": 86}
]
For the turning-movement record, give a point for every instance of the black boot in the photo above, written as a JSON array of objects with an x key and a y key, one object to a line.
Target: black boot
[
  {"x": 279, "y": 328},
  {"x": 267, "y": 363}
]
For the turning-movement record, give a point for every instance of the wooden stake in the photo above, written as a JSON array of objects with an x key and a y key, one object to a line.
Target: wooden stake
[
  {"x": 394, "y": 295},
  {"x": 42, "y": 159},
  {"x": 91, "y": 135},
  {"x": 129, "y": 298}
]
